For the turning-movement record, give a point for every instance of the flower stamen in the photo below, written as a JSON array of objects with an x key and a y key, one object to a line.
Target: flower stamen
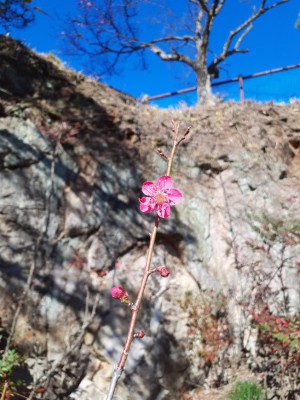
[{"x": 160, "y": 198}]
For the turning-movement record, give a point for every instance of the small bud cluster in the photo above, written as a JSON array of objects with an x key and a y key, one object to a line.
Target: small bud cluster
[{"x": 117, "y": 292}]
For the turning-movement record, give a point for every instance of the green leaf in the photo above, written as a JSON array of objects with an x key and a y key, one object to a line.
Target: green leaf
[
  {"x": 10, "y": 360},
  {"x": 281, "y": 338}
]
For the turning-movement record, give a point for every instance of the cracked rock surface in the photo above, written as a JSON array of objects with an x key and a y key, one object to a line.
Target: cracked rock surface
[{"x": 69, "y": 214}]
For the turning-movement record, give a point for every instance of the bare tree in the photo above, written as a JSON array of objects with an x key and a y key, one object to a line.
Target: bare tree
[
  {"x": 109, "y": 31},
  {"x": 15, "y": 14}
]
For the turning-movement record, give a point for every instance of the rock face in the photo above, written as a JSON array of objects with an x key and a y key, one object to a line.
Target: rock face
[{"x": 73, "y": 155}]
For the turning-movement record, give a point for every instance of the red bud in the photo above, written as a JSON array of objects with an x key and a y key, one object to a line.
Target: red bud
[{"x": 163, "y": 271}]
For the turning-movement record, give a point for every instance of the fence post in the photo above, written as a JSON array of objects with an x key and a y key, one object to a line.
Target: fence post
[
  {"x": 239, "y": 79},
  {"x": 241, "y": 85}
]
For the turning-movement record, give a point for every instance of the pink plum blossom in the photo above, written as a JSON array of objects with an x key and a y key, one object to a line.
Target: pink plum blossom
[
  {"x": 159, "y": 197},
  {"x": 163, "y": 271}
]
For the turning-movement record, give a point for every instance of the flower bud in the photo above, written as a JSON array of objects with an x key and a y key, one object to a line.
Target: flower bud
[
  {"x": 139, "y": 334},
  {"x": 117, "y": 292},
  {"x": 163, "y": 271}
]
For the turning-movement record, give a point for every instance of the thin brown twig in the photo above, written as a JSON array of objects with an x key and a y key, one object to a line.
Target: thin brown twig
[
  {"x": 22, "y": 299},
  {"x": 147, "y": 272},
  {"x": 5, "y": 386},
  {"x": 184, "y": 135},
  {"x": 75, "y": 345}
]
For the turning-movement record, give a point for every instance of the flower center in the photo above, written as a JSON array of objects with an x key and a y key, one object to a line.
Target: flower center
[{"x": 159, "y": 198}]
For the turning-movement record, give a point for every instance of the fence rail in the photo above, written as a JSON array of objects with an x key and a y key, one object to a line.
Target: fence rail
[{"x": 240, "y": 79}]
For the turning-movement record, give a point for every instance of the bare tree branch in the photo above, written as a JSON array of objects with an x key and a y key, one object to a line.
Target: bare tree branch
[
  {"x": 203, "y": 5},
  {"x": 220, "y": 6},
  {"x": 184, "y": 38},
  {"x": 245, "y": 25},
  {"x": 198, "y": 24},
  {"x": 168, "y": 56},
  {"x": 213, "y": 12},
  {"x": 241, "y": 38},
  {"x": 116, "y": 37},
  {"x": 16, "y": 13}
]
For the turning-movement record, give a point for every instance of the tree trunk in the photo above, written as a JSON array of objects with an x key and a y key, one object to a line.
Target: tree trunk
[{"x": 204, "y": 92}]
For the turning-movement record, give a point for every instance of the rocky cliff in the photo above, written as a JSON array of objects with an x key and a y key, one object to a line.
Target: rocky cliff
[{"x": 73, "y": 155}]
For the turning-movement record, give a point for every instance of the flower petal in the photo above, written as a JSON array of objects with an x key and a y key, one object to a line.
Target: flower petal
[
  {"x": 164, "y": 182},
  {"x": 149, "y": 189},
  {"x": 147, "y": 204},
  {"x": 174, "y": 196},
  {"x": 163, "y": 210}
]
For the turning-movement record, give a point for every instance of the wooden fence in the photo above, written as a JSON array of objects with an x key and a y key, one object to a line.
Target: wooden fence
[{"x": 240, "y": 79}]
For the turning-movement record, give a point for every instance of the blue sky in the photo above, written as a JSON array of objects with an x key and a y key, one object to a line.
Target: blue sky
[{"x": 273, "y": 42}]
